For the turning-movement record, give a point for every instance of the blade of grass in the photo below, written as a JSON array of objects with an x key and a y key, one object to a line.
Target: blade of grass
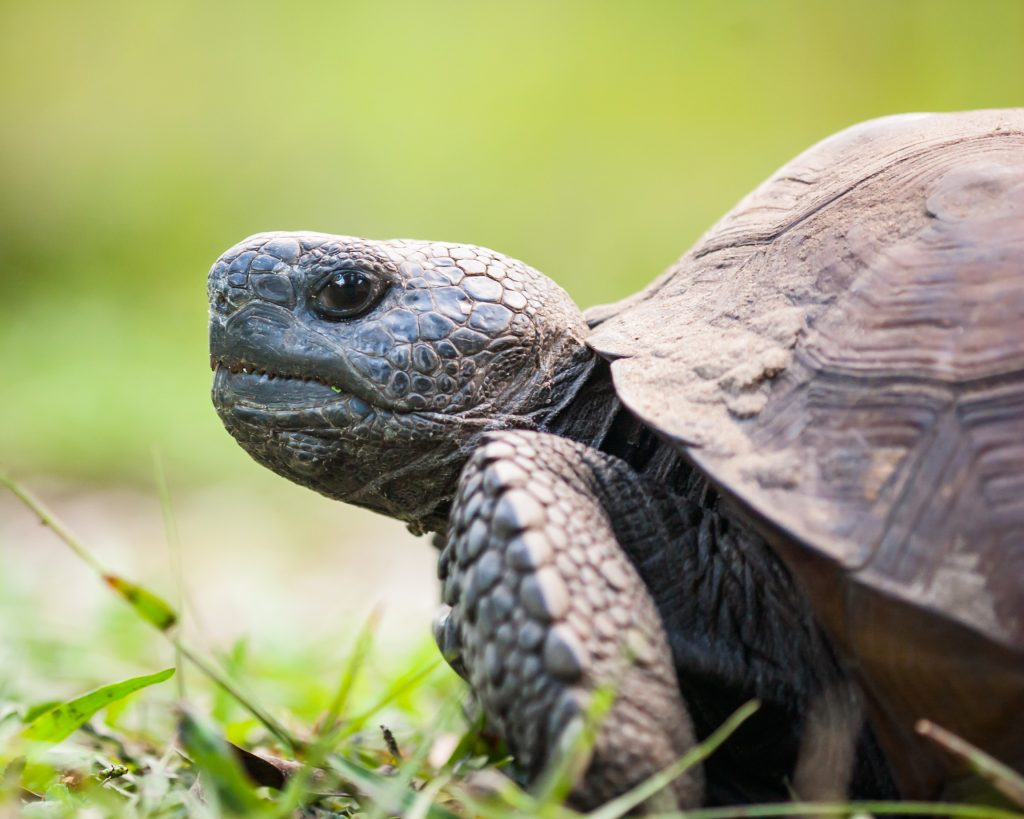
[
  {"x": 37, "y": 710},
  {"x": 381, "y": 789},
  {"x": 50, "y": 521},
  {"x": 645, "y": 790},
  {"x": 423, "y": 804},
  {"x": 1002, "y": 777},
  {"x": 221, "y": 770},
  {"x": 151, "y": 608},
  {"x": 147, "y": 605},
  {"x": 269, "y": 722},
  {"x": 396, "y": 689},
  {"x": 356, "y": 660},
  {"x": 59, "y": 723},
  {"x": 510, "y": 794},
  {"x": 386, "y": 792},
  {"x": 574, "y": 750},
  {"x": 173, "y": 551}
]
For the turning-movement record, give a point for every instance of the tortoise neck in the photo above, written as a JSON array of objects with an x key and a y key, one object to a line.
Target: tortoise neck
[
  {"x": 597, "y": 418},
  {"x": 589, "y": 414},
  {"x": 556, "y": 398}
]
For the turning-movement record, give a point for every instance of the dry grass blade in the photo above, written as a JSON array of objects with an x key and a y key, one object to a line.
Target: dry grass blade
[
  {"x": 274, "y": 772},
  {"x": 51, "y": 521},
  {"x": 1002, "y": 777}
]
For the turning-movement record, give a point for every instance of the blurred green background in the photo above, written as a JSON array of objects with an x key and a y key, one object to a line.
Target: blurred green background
[{"x": 596, "y": 140}]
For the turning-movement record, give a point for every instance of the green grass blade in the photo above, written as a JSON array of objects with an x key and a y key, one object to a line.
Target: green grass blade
[
  {"x": 221, "y": 771},
  {"x": 151, "y": 608},
  {"x": 243, "y": 699},
  {"x": 401, "y": 686},
  {"x": 356, "y": 660},
  {"x": 174, "y": 552},
  {"x": 423, "y": 804},
  {"x": 147, "y": 605},
  {"x": 60, "y": 722},
  {"x": 573, "y": 754},
  {"x": 37, "y": 710},
  {"x": 412, "y": 766}
]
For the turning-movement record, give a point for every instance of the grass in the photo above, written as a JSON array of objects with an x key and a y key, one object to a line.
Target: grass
[{"x": 150, "y": 747}]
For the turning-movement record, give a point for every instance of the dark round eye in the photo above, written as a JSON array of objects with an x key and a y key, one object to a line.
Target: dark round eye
[{"x": 347, "y": 293}]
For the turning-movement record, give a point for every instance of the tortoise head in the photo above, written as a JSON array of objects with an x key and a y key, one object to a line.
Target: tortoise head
[{"x": 368, "y": 370}]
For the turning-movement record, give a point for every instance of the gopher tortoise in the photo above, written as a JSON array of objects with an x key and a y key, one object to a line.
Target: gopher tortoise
[{"x": 790, "y": 469}]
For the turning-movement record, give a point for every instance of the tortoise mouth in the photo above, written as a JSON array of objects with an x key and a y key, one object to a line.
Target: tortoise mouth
[{"x": 247, "y": 384}]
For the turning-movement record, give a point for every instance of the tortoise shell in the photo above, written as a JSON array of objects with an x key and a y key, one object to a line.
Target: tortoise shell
[{"x": 843, "y": 354}]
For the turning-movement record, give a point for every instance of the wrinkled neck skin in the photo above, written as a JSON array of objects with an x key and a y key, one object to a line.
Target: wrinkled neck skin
[{"x": 380, "y": 405}]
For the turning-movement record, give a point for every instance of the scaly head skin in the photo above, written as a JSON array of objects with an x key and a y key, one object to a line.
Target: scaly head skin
[{"x": 369, "y": 370}]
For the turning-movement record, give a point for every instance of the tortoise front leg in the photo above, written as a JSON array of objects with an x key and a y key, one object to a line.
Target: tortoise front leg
[{"x": 543, "y": 608}]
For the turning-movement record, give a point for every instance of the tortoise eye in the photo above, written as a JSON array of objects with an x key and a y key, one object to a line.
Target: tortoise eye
[{"x": 347, "y": 293}]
